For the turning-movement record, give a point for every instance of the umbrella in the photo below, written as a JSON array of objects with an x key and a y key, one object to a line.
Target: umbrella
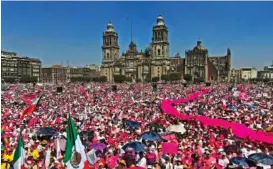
[
  {"x": 177, "y": 128},
  {"x": 261, "y": 158},
  {"x": 46, "y": 131},
  {"x": 132, "y": 124},
  {"x": 151, "y": 136},
  {"x": 98, "y": 146},
  {"x": 137, "y": 146},
  {"x": 155, "y": 125},
  {"x": 242, "y": 161}
]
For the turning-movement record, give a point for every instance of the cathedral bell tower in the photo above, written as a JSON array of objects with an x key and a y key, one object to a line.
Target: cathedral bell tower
[
  {"x": 110, "y": 51},
  {"x": 110, "y": 48},
  {"x": 160, "y": 49},
  {"x": 160, "y": 43}
]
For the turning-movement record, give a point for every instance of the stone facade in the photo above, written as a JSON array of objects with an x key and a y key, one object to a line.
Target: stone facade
[
  {"x": 155, "y": 60},
  {"x": 15, "y": 67},
  {"x": 201, "y": 66},
  {"x": 58, "y": 74}
]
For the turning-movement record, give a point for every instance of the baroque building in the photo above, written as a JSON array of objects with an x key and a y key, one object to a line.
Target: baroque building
[
  {"x": 155, "y": 61},
  {"x": 200, "y": 65},
  {"x": 135, "y": 64}
]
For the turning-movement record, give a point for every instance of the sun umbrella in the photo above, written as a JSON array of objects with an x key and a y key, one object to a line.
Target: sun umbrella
[
  {"x": 132, "y": 124},
  {"x": 46, "y": 131},
  {"x": 155, "y": 125},
  {"x": 242, "y": 161},
  {"x": 261, "y": 158},
  {"x": 151, "y": 136},
  {"x": 98, "y": 146},
  {"x": 177, "y": 128},
  {"x": 136, "y": 146}
]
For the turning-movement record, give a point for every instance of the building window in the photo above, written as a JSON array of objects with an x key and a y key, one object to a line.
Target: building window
[{"x": 158, "y": 52}]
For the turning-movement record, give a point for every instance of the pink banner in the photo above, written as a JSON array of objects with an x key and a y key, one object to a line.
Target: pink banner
[
  {"x": 239, "y": 130},
  {"x": 169, "y": 148}
]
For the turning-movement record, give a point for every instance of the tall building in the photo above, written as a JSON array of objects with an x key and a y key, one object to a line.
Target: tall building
[
  {"x": 267, "y": 73},
  {"x": 59, "y": 74},
  {"x": 135, "y": 64},
  {"x": 248, "y": 73},
  {"x": 201, "y": 66},
  {"x": 16, "y": 67},
  {"x": 155, "y": 61}
]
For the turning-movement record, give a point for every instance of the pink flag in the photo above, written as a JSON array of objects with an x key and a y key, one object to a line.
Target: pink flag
[{"x": 170, "y": 148}]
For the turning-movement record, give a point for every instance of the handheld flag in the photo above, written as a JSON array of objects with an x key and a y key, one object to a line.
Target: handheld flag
[
  {"x": 19, "y": 156},
  {"x": 32, "y": 107},
  {"x": 75, "y": 156}
]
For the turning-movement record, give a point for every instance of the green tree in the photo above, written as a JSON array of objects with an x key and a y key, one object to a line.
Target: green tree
[
  {"x": 103, "y": 79},
  {"x": 119, "y": 78},
  {"x": 155, "y": 79},
  {"x": 175, "y": 76},
  {"x": 188, "y": 77},
  {"x": 165, "y": 77},
  {"x": 128, "y": 79},
  {"x": 28, "y": 79},
  {"x": 138, "y": 80}
]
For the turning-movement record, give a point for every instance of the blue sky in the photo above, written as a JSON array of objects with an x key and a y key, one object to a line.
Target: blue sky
[{"x": 59, "y": 31}]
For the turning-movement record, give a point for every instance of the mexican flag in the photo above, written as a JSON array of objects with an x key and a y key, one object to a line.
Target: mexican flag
[
  {"x": 75, "y": 156},
  {"x": 132, "y": 99},
  {"x": 19, "y": 156},
  {"x": 32, "y": 107}
]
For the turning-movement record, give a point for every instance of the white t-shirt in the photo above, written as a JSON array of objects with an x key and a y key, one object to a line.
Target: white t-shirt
[
  {"x": 178, "y": 167},
  {"x": 223, "y": 162},
  {"x": 142, "y": 163}
]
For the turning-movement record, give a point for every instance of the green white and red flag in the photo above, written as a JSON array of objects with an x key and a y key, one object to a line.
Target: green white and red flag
[
  {"x": 31, "y": 108},
  {"x": 19, "y": 155},
  {"x": 75, "y": 156}
]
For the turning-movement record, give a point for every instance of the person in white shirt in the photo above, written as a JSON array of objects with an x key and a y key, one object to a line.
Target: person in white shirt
[
  {"x": 178, "y": 165},
  {"x": 169, "y": 165},
  {"x": 223, "y": 161}
]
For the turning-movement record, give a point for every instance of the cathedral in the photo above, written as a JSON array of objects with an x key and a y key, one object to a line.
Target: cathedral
[{"x": 155, "y": 61}]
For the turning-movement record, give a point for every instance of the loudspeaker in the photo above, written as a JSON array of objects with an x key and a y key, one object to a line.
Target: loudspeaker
[
  {"x": 154, "y": 87},
  {"x": 114, "y": 88},
  {"x": 59, "y": 89},
  {"x": 208, "y": 84}
]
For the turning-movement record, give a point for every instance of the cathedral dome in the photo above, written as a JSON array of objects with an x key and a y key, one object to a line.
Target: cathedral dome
[
  {"x": 110, "y": 27},
  {"x": 160, "y": 20},
  {"x": 199, "y": 46}
]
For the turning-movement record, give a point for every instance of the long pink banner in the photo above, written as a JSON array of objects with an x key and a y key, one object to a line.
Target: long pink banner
[{"x": 239, "y": 130}]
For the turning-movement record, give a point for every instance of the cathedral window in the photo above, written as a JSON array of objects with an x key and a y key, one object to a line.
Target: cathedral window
[
  {"x": 107, "y": 56},
  {"x": 158, "y": 52}
]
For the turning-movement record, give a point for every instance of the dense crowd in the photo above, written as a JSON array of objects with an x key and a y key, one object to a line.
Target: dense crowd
[{"x": 110, "y": 121}]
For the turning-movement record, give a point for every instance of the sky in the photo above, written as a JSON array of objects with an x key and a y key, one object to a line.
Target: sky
[{"x": 57, "y": 32}]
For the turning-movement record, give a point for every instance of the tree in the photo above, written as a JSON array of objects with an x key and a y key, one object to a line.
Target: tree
[
  {"x": 103, "y": 79},
  {"x": 9, "y": 80},
  {"x": 128, "y": 79},
  {"x": 175, "y": 76},
  {"x": 28, "y": 79},
  {"x": 165, "y": 77},
  {"x": 188, "y": 77},
  {"x": 148, "y": 78},
  {"x": 138, "y": 80},
  {"x": 119, "y": 78},
  {"x": 155, "y": 79}
]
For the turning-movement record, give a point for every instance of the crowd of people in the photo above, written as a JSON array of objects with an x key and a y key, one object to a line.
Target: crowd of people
[{"x": 109, "y": 121}]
